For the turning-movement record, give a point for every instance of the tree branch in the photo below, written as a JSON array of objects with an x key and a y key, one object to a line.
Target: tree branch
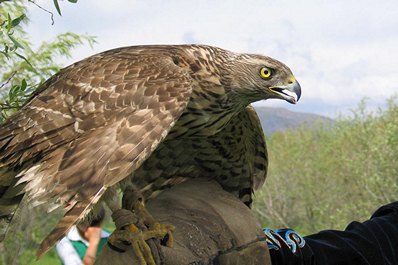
[
  {"x": 45, "y": 10},
  {"x": 8, "y": 80}
]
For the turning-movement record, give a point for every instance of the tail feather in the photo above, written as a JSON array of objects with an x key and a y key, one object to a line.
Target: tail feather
[
  {"x": 70, "y": 218},
  {"x": 75, "y": 214}
]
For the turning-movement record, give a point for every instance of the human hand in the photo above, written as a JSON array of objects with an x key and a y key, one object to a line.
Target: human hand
[{"x": 93, "y": 235}]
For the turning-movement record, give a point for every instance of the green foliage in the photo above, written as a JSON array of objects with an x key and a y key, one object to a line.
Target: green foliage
[
  {"x": 57, "y": 5},
  {"x": 28, "y": 230},
  {"x": 22, "y": 68},
  {"x": 326, "y": 177}
]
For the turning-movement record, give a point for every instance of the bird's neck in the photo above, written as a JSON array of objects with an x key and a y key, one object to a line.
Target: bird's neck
[
  {"x": 208, "y": 112},
  {"x": 212, "y": 103}
]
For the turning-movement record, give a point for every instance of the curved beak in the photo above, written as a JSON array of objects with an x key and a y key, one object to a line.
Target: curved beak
[{"x": 291, "y": 93}]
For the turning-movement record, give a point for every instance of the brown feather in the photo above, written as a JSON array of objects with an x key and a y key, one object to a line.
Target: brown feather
[
  {"x": 86, "y": 145},
  {"x": 158, "y": 114},
  {"x": 236, "y": 157}
]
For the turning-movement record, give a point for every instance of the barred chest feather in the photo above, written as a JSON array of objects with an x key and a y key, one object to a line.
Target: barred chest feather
[{"x": 208, "y": 112}]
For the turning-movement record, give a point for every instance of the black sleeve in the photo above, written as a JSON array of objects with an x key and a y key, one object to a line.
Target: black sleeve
[{"x": 373, "y": 242}]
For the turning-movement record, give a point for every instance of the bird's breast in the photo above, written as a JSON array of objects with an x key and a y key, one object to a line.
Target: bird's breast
[
  {"x": 209, "y": 110},
  {"x": 201, "y": 122}
]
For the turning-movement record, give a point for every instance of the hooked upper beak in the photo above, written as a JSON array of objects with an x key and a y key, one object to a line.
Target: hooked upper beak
[{"x": 291, "y": 93}]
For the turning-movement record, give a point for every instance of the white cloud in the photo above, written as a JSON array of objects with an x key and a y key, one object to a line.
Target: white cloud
[{"x": 340, "y": 51}]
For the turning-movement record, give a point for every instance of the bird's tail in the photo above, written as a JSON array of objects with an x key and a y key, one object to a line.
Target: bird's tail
[
  {"x": 75, "y": 214},
  {"x": 70, "y": 218}
]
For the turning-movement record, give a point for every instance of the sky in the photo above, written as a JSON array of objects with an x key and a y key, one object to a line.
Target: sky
[{"x": 341, "y": 52}]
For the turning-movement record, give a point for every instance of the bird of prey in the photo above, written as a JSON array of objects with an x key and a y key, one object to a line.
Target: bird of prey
[{"x": 145, "y": 117}]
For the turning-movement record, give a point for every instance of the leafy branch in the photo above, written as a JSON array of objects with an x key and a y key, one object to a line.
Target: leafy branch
[
  {"x": 23, "y": 69},
  {"x": 45, "y": 10},
  {"x": 7, "y": 29},
  {"x": 57, "y": 5}
]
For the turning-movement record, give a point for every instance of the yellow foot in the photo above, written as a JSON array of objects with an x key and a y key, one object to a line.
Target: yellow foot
[{"x": 137, "y": 238}]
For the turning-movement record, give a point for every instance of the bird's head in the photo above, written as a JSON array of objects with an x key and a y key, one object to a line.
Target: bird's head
[{"x": 259, "y": 77}]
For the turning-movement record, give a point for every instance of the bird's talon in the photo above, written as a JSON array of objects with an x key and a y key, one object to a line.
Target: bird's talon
[
  {"x": 167, "y": 240},
  {"x": 131, "y": 235},
  {"x": 170, "y": 240},
  {"x": 119, "y": 241},
  {"x": 164, "y": 231},
  {"x": 132, "y": 228}
]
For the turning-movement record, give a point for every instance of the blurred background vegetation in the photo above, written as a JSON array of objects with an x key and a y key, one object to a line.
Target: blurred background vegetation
[
  {"x": 324, "y": 177},
  {"x": 320, "y": 177}
]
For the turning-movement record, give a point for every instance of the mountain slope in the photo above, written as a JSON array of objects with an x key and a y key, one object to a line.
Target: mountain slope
[{"x": 280, "y": 119}]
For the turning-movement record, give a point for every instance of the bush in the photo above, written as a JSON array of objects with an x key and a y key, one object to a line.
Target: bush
[{"x": 324, "y": 178}]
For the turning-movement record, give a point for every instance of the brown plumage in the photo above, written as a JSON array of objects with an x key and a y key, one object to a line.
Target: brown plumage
[{"x": 150, "y": 116}]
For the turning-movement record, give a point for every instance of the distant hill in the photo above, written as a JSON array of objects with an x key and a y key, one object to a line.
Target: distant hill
[{"x": 280, "y": 119}]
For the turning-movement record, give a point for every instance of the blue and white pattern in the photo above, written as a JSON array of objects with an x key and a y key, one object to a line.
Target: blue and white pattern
[{"x": 283, "y": 236}]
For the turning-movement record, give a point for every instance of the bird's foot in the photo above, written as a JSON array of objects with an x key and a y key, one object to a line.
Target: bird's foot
[
  {"x": 130, "y": 235},
  {"x": 137, "y": 238}
]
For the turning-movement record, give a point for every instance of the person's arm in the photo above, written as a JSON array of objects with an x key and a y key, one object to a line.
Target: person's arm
[
  {"x": 93, "y": 235},
  {"x": 67, "y": 253},
  {"x": 373, "y": 242}
]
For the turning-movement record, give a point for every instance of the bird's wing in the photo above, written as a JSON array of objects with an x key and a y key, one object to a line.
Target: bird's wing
[
  {"x": 256, "y": 144},
  {"x": 236, "y": 157},
  {"x": 91, "y": 126}
]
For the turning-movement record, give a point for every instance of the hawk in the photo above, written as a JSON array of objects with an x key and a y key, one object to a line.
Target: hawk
[{"x": 145, "y": 117}]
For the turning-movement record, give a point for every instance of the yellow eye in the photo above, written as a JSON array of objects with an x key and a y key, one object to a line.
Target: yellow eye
[{"x": 265, "y": 73}]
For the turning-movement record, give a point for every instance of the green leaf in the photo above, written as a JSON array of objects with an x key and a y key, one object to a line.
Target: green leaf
[
  {"x": 8, "y": 22},
  {"x": 23, "y": 84},
  {"x": 15, "y": 22},
  {"x": 73, "y": 1},
  {"x": 23, "y": 57},
  {"x": 57, "y": 7},
  {"x": 16, "y": 43},
  {"x": 12, "y": 93}
]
